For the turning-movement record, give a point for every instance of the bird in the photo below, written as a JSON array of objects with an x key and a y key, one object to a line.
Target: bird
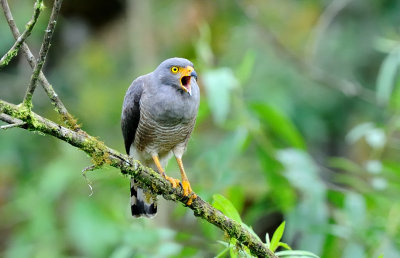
[{"x": 158, "y": 116}]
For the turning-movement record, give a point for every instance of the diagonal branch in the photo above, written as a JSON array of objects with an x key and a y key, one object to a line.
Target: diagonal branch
[
  {"x": 146, "y": 177},
  {"x": 29, "y": 26},
  {"x": 44, "y": 49},
  {"x": 67, "y": 118}
]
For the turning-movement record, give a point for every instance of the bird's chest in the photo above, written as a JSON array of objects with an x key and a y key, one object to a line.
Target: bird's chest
[
  {"x": 163, "y": 130},
  {"x": 166, "y": 120},
  {"x": 160, "y": 137},
  {"x": 170, "y": 109}
]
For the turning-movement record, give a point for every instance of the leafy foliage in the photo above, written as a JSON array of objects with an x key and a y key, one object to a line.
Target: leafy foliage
[{"x": 282, "y": 141}]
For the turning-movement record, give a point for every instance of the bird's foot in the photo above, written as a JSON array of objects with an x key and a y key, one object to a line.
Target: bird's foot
[
  {"x": 186, "y": 187},
  {"x": 175, "y": 182},
  {"x": 188, "y": 190}
]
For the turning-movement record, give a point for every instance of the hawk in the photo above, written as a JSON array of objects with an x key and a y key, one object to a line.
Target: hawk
[{"x": 158, "y": 116}]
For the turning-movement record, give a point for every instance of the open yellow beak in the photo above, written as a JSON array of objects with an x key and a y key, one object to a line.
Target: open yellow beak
[{"x": 186, "y": 76}]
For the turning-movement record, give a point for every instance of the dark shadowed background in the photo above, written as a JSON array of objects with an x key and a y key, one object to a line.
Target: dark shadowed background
[{"x": 298, "y": 122}]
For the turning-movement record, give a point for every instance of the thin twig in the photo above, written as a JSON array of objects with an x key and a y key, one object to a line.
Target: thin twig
[
  {"x": 146, "y": 177},
  {"x": 5, "y": 127},
  {"x": 89, "y": 168},
  {"x": 13, "y": 122},
  {"x": 44, "y": 49},
  {"x": 9, "y": 119},
  {"x": 14, "y": 29},
  {"x": 67, "y": 118},
  {"x": 326, "y": 18},
  {"x": 88, "y": 182},
  {"x": 18, "y": 43}
]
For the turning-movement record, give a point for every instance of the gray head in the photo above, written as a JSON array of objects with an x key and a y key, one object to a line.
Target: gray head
[{"x": 176, "y": 72}]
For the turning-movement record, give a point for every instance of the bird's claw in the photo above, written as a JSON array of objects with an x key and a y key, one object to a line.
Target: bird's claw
[
  {"x": 187, "y": 190},
  {"x": 172, "y": 180}
]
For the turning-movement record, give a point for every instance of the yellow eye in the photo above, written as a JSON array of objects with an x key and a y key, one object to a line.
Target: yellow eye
[{"x": 174, "y": 69}]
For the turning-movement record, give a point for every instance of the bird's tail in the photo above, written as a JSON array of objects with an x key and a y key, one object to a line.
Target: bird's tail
[{"x": 143, "y": 203}]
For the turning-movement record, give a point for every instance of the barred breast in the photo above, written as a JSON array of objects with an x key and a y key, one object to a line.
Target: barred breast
[{"x": 161, "y": 136}]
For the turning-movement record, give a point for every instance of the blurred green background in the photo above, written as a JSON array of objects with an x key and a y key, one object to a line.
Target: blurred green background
[{"x": 299, "y": 121}]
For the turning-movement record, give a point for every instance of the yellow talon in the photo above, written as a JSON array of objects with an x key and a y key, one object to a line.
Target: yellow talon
[
  {"x": 173, "y": 181},
  {"x": 191, "y": 199},
  {"x": 186, "y": 187},
  {"x": 188, "y": 190}
]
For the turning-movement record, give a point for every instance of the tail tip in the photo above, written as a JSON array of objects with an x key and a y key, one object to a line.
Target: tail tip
[{"x": 141, "y": 209}]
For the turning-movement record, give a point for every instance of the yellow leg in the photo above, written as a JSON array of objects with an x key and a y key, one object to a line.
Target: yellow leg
[
  {"x": 173, "y": 181},
  {"x": 185, "y": 183}
]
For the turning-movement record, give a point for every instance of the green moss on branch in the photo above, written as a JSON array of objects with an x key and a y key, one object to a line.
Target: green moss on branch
[
  {"x": 21, "y": 39},
  {"x": 146, "y": 177}
]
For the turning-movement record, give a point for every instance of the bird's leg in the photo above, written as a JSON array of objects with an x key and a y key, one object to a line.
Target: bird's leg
[
  {"x": 173, "y": 181},
  {"x": 185, "y": 182}
]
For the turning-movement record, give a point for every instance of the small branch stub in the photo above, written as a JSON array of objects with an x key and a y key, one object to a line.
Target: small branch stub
[{"x": 5, "y": 127}]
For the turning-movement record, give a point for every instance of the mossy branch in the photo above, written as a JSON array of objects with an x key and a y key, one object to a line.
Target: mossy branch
[
  {"x": 20, "y": 40},
  {"x": 22, "y": 116},
  {"x": 44, "y": 49},
  {"x": 66, "y": 117},
  {"x": 146, "y": 177}
]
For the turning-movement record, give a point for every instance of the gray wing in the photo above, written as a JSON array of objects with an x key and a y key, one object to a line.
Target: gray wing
[{"x": 131, "y": 112}]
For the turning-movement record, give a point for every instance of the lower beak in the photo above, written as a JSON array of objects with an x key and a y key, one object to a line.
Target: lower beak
[
  {"x": 186, "y": 78},
  {"x": 187, "y": 89}
]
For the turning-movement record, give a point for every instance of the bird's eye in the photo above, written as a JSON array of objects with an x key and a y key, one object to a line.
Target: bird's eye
[{"x": 174, "y": 69}]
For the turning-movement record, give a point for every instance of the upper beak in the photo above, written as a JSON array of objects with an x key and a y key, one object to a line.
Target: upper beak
[
  {"x": 186, "y": 75},
  {"x": 194, "y": 74}
]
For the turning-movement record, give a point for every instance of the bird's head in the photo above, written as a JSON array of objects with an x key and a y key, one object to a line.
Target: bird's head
[{"x": 177, "y": 72}]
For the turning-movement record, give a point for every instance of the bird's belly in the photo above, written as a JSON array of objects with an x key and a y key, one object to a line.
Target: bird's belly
[{"x": 156, "y": 138}]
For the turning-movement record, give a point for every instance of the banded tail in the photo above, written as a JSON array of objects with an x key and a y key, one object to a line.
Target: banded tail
[{"x": 142, "y": 202}]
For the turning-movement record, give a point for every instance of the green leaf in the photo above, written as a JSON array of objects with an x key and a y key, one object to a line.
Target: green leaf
[
  {"x": 222, "y": 253},
  {"x": 359, "y": 131},
  {"x": 267, "y": 240},
  {"x": 345, "y": 165},
  {"x": 219, "y": 84},
  {"x": 232, "y": 252},
  {"x": 279, "y": 124},
  {"x": 387, "y": 75},
  {"x": 296, "y": 254},
  {"x": 277, "y": 237},
  {"x": 395, "y": 97},
  {"x": 284, "y": 245},
  {"x": 203, "y": 46},
  {"x": 237, "y": 195},
  {"x": 223, "y": 243},
  {"x": 385, "y": 45},
  {"x": 245, "y": 69},
  {"x": 226, "y": 207},
  {"x": 374, "y": 136}
]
